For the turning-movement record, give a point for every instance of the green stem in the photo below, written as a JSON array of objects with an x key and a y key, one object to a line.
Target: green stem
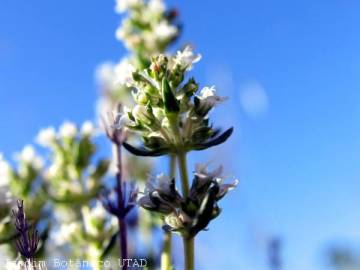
[
  {"x": 183, "y": 174},
  {"x": 188, "y": 242},
  {"x": 166, "y": 262},
  {"x": 189, "y": 263}
]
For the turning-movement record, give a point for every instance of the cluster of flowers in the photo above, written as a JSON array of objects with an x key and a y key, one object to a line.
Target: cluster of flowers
[
  {"x": 169, "y": 113},
  {"x": 60, "y": 193},
  {"x": 148, "y": 29},
  {"x": 187, "y": 215}
]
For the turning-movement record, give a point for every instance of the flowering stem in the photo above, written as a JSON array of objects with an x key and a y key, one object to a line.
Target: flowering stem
[
  {"x": 121, "y": 222},
  {"x": 166, "y": 263},
  {"x": 188, "y": 242},
  {"x": 189, "y": 253},
  {"x": 183, "y": 173}
]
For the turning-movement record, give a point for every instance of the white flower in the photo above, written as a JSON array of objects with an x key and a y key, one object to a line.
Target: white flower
[
  {"x": 156, "y": 6},
  {"x": 94, "y": 218},
  {"x": 208, "y": 96},
  {"x": 65, "y": 232},
  {"x": 88, "y": 129},
  {"x": 124, "y": 5},
  {"x": 186, "y": 58},
  {"x": 105, "y": 74},
  {"x": 68, "y": 130},
  {"x": 165, "y": 31},
  {"x": 5, "y": 171},
  {"x": 52, "y": 171},
  {"x": 28, "y": 156},
  {"x": 46, "y": 136},
  {"x": 123, "y": 72}
]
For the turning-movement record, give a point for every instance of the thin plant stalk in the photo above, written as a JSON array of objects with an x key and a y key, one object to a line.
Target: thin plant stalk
[
  {"x": 183, "y": 173},
  {"x": 189, "y": 252},
  {"x": 166, "y": 260},
  {"x": 121, "y": 222},
  {"x": 189, "y": 260}
]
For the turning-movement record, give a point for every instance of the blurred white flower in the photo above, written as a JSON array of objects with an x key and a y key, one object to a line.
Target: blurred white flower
[
  {"x": 156, "y": 6},
  {"x": 5, "y": 171},
  {"x": 46, "y": 136},
  {"x": 253, "y": 99},
  {"x": 68, "y": 130},
  {"x": 186, "y": 58},
  {"x": 65, "y": 232},
  {"x": 123, "y": 72},
  {"x": 105, "y": 74},
  {"x": 165, "y": 31},
  {"x": 88, "y": 129},
  {"x": 124, "y": 5},
  {"x": 52, "y": 171},
  {"x": 28, "y": 156},
  {"x": 93, "y": 217}
]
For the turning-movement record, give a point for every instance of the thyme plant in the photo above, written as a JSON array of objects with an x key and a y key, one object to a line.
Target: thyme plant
[{"x": 172, "y": 117}]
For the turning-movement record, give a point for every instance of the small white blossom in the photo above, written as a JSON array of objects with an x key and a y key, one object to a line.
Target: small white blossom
[
  {"x": 28, "y": 156},
  {"x": 46, "y": 136},
  {"x": 186, "y": 58},
  {"x": 165, "y": 31},
  {"x": 5, "y": 171},
  {"x": 88, "y": 129},
  {"x": 105, "y": 74},
  {"x": 123, "y": 72},
  {"x": 156, "y": 6},
  {"x": 124, "y": 5},
  {"x": 208, "y": 96},
  {"x": 68, "y": 130}
]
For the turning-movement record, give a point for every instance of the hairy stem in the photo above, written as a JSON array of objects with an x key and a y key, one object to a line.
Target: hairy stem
[
  {"x": 166, "y": 261},
  {"x": 121, "y": 222}
]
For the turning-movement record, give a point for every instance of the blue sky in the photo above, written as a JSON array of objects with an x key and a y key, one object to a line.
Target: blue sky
[{"x": 297, "y": 158}]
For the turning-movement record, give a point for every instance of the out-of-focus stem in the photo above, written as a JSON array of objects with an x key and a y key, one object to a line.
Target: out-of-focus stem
[
  {"x": 121, "y": 222},
  {"x": 166, "y": 261}
]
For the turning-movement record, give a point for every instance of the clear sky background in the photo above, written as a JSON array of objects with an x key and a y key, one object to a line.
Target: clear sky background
[{"x": 291, "y": 70}]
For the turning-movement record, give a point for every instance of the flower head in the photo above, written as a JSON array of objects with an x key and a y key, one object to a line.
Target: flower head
[
  {"x": 88, "y": 129},
  {"x": 186, "y": 58},
  {"x": 168, "y": 114},
  {"x": 28, "y": 156},
  {"x": 123, "y": 72},
  {"x": 46, "y": 136},
  {"x": 5, "y": 171},
  {"x": 124, "y": 5},
  {"x": 161, "y": 195},
  {"x": 191, "y": 214},
  {"x": 68, "y": 130}
]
